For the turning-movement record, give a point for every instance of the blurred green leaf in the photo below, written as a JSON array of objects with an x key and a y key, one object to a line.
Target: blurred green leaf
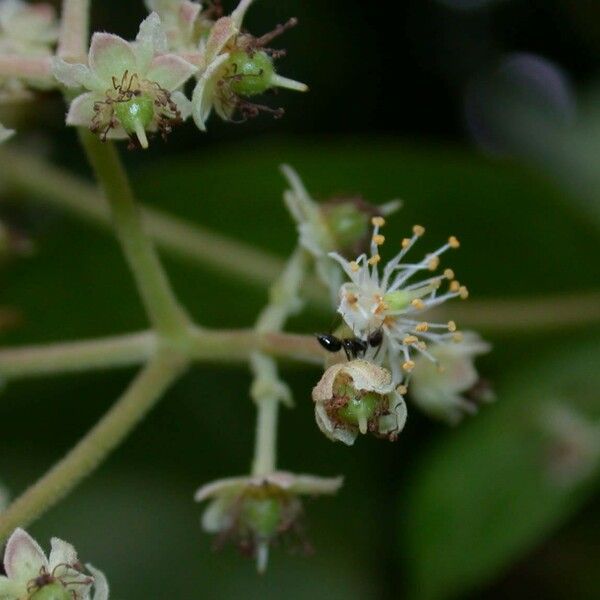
[{"x": 482, "y": 497}]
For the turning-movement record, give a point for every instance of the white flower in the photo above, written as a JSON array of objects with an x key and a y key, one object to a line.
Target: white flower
[
  {"x": 439, "y": 388},
  {"x": 5, "y": 133},
  {"x": 235, "y": 66},
  {"x": 323, "y": 229},
  {"x": 132, "y": 85},
  {"x": 180, "y": 22},
  {"x": 27, "y": 29},
  {"x": 253, "y": 511},
  {"x": 389, "y": 302},
  {"x": 32, "y": 576},
  {"x": 358, "y": 397}
]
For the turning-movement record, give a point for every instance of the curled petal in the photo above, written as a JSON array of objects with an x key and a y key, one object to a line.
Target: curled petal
[
  {"x": 222, "y": 31},
  {"x": 101, "y": 589},
  {"x": 23, "y": 557},
  {"x": 239, "y": 13},
  {"x": 81, "y": 110},
  {"x": 110, "y": 56},
  {"x": 203, "y": 96},
  {"x": 328, "y": 427},
  {"x": 217, "y": 516},
  {"x": 309, "y": 484},
  {"x": 170, "y": 71},
  {"x": 220, "y": 486}
]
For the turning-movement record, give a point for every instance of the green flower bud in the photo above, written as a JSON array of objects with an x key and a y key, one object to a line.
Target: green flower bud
[
  {"x": 252, "y": 72},
  {"x": 52, "y": 591}
]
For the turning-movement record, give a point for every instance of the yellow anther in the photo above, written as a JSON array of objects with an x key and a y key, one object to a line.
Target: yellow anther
[
  {"x": 451, "y": 326},
  {"x": 351, "y": 298},
  {"x": 410, "y": 339},
  {"x": 457, "y": 337},
  {"x": 463, "y": 292},
  {"x": 405, "y": 243},
  {"x": 402, "y": 390},
  {"x": 453, "y": 242},
  {"x": 374, "y": 259},
  {"x": 454, "y": 286},
  {"x": 449, "y": 274},
  {"x": 434, "y": 263},
  {"x": 418, "y": 304},
  {"x": 421, "y": 344},
  {"x": 378, "y": 221},
  {"x": 409, "y": 365},
  {"x": 354, "y": 266},
  {"x": 378, "y": 239},
  {"x": 422, "y": 327},
  {"x": 418, "y": 230}
]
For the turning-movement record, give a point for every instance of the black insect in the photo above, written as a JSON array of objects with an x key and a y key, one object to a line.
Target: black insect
[{"x": 353, "y": 347}]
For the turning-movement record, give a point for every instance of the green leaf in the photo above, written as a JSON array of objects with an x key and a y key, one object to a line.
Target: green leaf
[{"x": 483, "y": 496}]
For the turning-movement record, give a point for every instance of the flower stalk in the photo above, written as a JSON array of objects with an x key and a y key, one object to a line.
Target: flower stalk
[
  {"x": 163, "y": 309},
  {"x": 143, "y": 393},
  {"x": 74, "y": 30}
]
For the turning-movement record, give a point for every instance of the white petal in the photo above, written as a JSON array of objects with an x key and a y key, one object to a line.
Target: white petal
[
  {"x": 110, "y": 56},
  {"x": 23, "y": 557},
  {"x": 81, "y": 110},
  {"x": 150, "y": 41},
  {"x": 183, "y": 104},
  {"x": 222, "y": 31},
  {"x": 216, "y": 516},
  {"x": 203, "y": 96},
  {"x": 170, "y": 71},
  {"x": 216, "y": 488},
  {"x": 61, "y": 553},
  {"x": 101, "y": 589},
  {"x": 240, "y": 12},
  {"x": 310, "y": 484},
  {"x": 75, "y": 75}
]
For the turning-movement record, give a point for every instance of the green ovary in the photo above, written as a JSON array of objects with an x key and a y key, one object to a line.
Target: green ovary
[
  {"x": 251, "y": 73},
  {"x": 138, "y": 111},
  {"x": 52, "y": 591},
  {"x": 360, "y": 408},
  {"x": 262, "y": 515}
]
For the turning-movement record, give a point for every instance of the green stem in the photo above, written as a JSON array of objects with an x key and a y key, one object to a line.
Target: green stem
[
  {"x": 268, "y": 390},
  {"x": 162, "y": 307},
  {"x": 146, "y": 389},
  {"x": 72, "y": 357}
]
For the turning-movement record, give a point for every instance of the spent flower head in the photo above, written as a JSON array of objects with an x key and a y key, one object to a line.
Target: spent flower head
[
  {"x": 450, "y": 388},
  {"x": 340, "y": 225},
  {"x": 237, "y": 66},
  {"x": 255, "y": 512},
  {"x": 387, "y": 300},
  {"x": 32, "y": 576},
  {"x": 358, "y": 397},
  {"x": 133, "y": 86}
]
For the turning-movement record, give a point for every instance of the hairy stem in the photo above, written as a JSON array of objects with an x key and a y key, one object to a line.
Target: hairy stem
[
  {"x": 73, "y": 357},
  {"x": 163, "y": 309},
  {"x": 74, "y": 30},
  {"x": 143, "y": 393}
]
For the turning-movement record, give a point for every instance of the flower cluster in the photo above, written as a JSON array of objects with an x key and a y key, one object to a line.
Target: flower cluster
[
  {"x": 32, "y": 576},
  {"x": 136, "y": 88},
  {"x": 255, "y": 512}
]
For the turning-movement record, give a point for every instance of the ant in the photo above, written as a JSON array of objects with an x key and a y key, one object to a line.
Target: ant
[{"x": 353, "y": 347}]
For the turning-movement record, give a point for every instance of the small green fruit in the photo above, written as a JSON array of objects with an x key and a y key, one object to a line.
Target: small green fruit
[
  {"x": 360, "y": 409},
  {"x": 52, "y": 591},
  {"x": 251, "y": 73}
]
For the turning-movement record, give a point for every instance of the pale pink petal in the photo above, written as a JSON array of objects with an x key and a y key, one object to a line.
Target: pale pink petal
[
  {"x": 170, "y": 71},
  {"x": 203, "y": 96},
  {"x": 150, "y": 41},
  {"x": 221, "y": 486},
  {"x": 61, "y": 553},
  {"x": 222, "y": 31},
  {"x": 110, "y": 56},
  {"x": 188, "y": 13},
  {"x": 81, "y": 110},
  {"x": 23, "y": 557},
  {"x": 75, "y": 75}
]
